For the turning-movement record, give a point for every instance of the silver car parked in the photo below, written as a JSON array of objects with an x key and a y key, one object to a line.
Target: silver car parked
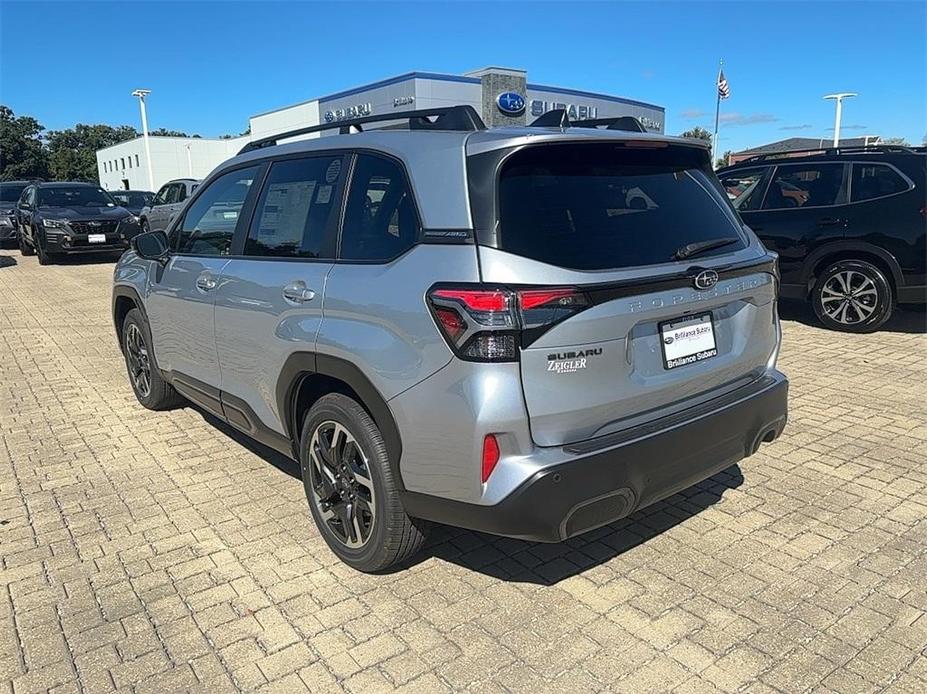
[
  {"x": 167, "y": 202},
  {"x": 526, "y": 331}
]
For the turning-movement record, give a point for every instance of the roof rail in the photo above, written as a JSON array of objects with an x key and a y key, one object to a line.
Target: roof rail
[
  {"x": 558, "y": 118},
  {"x": 463, "y": 118},
  {"x": 830, "y": 151}
]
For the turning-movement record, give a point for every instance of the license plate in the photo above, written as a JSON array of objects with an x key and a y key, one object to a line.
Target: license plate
[
  {"x": 96, "y": 238},
  {"x": 688, "y": 340}
]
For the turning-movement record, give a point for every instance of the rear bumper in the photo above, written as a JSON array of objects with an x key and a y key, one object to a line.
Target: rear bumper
[
  {"x": 617, "y": 475},
  {"x": 7, "y": 232}
]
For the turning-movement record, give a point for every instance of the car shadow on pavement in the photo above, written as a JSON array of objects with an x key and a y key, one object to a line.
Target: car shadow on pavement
[
  {"x": 7, "y": 261},
  {"x": 547, "y": 564},
  {"x": 905, "y": 318},
  {"x": 522, "y": 561},
  {"x": 87, "y": 259}
]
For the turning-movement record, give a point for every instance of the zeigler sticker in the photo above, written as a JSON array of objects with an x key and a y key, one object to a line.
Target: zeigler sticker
[{"x": 571, "y": 362}]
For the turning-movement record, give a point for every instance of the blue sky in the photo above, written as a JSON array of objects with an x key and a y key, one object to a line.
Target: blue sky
[{"x": 211, "y": 65}]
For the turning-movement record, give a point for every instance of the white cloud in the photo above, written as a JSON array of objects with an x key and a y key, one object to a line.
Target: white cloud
[
  {"x": 752, "y": 119},
  {"x": 803, "y": 126},
  {"x": 693, "y": 113}
]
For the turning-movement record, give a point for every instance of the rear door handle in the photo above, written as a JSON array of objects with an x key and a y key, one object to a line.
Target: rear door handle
[
  {"x": 828, "y": 222},
  {"x": 206, "y": 283},
  {"x": 298, "y": 293}
]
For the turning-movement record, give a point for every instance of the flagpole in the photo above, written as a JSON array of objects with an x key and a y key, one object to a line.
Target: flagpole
[{"x": 714, "y": 140}]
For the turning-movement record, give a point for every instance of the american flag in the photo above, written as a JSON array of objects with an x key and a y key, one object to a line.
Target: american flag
[{"x": 724, "y": 89}]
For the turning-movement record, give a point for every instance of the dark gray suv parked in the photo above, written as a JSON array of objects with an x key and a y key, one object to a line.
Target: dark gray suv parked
[
  {"x": 64, "y": 218},
  {"x": 527, "y": 331}
]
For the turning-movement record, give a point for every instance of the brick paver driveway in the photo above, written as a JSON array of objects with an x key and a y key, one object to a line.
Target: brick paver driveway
[{"x": 162, "y": 552}]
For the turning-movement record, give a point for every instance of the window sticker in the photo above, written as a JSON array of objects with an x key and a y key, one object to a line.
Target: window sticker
[
  {"x": 285, "y": 212},
  {"x": 325, "y": 194}
]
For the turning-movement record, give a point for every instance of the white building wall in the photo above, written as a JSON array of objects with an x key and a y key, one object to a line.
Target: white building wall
[
  {"x": 299, "y": 116},
  {"x": 169, "y": 160}
]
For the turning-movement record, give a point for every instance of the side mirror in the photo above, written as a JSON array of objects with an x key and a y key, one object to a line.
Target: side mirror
[{"x": 152, "y": 245}]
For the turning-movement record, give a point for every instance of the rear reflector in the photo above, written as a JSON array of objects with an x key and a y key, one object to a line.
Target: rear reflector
[{"x": 490, "y": 455}]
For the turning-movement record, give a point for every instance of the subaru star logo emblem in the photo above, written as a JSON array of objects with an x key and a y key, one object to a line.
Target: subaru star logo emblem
[
  {"x": 668, "y": 340},
  {"x": 706, "y": 279},
  {"x": 511, "y": 103}
]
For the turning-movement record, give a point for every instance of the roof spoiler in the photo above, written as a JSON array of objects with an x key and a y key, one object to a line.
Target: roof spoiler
[
  {"x": 558, "y": 118},
  {"x": 460, "y": 118}
]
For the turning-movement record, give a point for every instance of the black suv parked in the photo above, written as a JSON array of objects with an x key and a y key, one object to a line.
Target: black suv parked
[
  {"x": 9, "y": 195},
  {"x": 60, "y": 218},
  {"x": 848, "y": 224}
]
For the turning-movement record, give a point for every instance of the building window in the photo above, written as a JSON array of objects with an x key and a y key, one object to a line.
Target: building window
[
  {"x": 130, "y": 162},
  {"x": 136, "y": 160},
  {"x": 123, "y": 162}
]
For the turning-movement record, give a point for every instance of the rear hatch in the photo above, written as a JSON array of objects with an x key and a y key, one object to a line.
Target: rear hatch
[{"x": 636, "y": 288}]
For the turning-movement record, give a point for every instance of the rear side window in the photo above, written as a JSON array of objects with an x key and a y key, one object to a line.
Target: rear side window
[
  {"x": 597, "y": 207},
  {"x": 875, "y": 181},
  {"x": 293, "y": 214},
  {"x": 805, "y": 185},
  {"x": 209, "y": 223},
  {"x": 380, "y": 221}
]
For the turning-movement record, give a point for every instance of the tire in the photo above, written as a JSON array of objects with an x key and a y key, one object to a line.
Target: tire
[
  {"x": 853, "y": 296},
  {"x": 45, "y": 258},
  {"x": 24, "y": 246},
  {"x": 383, "y": 535},
  {"x": 152, "y": 391}
]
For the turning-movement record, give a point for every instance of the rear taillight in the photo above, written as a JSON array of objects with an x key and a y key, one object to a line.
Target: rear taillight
[{"x": 483, "y": 323}]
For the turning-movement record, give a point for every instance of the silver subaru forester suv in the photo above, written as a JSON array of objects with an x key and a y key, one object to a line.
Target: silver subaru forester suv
[{"x": 526, "y": 331}]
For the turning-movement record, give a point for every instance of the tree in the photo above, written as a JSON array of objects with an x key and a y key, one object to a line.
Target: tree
[
  {"x": 698, "y": 132},
  {"x": 22, "y": 155},
  {"x": 72, "y": 152},
  {"x": 246, "y": 131},
  {"x": 894, "y": 141},
  {"x": 725, "y": 158}
]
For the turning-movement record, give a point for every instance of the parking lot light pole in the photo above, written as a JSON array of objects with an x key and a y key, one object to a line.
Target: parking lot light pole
[
  {"x": 839, "y": 99},
  {"x": 141, "y": 94}
]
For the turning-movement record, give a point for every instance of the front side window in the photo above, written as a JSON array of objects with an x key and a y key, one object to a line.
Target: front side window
[
  {"x": 181, "y": 194},
  {"x": 744, "y": 188},
  {"x": 293, "y": 214},
  {"x": 161, "y": 197},
  {"x": 804, "y": 185},
  {"x": 603, "y": 207},
  {"x": 380, "y": 221},
  {"x": 173, "y": 193},
  {"x": 875, "y": 181},
  {"x": 209, "y": 224}
]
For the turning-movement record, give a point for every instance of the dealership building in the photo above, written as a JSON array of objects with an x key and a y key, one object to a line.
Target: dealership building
[{"x": 125, "y": 165}]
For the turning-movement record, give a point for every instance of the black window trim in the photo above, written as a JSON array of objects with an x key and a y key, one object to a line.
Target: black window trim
[
  {"x": 856, "y": 162},
  {"x": 841, "y": 200},
  {"x": 349, "y": 156}
]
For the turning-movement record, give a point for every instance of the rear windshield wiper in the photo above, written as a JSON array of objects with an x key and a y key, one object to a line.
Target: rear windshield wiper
[{"x": 692, "y": 249}]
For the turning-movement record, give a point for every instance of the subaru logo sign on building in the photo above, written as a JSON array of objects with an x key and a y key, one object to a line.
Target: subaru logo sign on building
[{"x": 511, "y": 103}]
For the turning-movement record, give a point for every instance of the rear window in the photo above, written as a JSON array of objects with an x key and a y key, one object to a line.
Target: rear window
[{"x": 598, "y": 207}]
